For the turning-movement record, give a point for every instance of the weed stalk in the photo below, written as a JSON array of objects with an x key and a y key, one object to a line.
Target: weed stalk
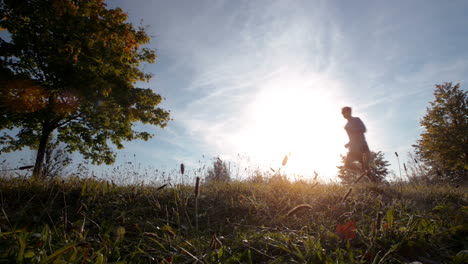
[{"x": 197, "y": 193}]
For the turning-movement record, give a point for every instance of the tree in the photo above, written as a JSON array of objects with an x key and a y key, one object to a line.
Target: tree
[
  {"x": 55, "y": 161},
  {"x": 377, "y": 163},
  {"x": 444, "y": 143},
  {"x": 70, "y": 67},
  {"x": 219, "y": 172}
]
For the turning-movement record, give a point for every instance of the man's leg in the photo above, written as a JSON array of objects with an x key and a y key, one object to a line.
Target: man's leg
[
  {"x": 365, "y": 161},
  {"x": 365, "y": 166},
  {"x": 350, "y": 159}
]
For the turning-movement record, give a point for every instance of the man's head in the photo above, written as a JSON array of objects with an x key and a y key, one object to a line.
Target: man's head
[{"x": 346, "y": 111}]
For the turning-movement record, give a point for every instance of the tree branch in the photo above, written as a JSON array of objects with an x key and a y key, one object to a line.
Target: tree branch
[{"x": 69, "y": 120}]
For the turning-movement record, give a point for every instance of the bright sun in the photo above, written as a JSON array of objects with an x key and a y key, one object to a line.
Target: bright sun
[{"x": 300, "y": 116}]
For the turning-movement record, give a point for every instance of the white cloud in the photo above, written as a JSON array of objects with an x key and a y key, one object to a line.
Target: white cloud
[{"x": 383, "y": 59}]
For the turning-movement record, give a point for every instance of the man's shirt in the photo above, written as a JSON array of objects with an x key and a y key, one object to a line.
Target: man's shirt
[{"x": 356, "y": 129}]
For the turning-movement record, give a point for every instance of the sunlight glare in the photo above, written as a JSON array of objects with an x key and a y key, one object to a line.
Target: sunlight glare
[{"x": 297, "y": 115}]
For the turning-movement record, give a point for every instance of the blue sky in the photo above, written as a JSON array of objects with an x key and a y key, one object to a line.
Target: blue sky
[{"x": 261, "y": 79}]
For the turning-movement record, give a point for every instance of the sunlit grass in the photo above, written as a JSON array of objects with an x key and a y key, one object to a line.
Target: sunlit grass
[{"x": 77, "y": 220}]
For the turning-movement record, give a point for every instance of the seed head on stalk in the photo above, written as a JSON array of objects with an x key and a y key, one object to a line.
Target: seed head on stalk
[
  {"x": 285, "y": 160},
  {"x": 182, "y": 170}
]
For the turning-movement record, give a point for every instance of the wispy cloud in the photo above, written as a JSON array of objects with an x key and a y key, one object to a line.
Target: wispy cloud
[{"x": 223, "y": 57}]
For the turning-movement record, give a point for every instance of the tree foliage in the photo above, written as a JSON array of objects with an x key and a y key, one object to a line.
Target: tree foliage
[
  {"x": 377, "y": 163},
  {"x": 70, "y": 68},
  {"x": 219, "y": 172},
  {"x": 444, "y": 143}
]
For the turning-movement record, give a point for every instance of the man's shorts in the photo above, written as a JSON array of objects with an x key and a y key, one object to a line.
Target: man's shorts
[
  {"x": 354, "y": 156},
  {"x": 357, "y": 155}
]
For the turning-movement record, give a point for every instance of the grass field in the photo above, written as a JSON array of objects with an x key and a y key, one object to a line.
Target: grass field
[{"x": 252, "y": 221}]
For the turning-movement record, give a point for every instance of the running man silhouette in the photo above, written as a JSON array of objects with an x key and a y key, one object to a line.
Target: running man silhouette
[{"x": 358, "y": 150}]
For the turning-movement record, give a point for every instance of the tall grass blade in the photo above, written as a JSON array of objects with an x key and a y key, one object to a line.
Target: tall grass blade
[
  {"x": 347, "y": 194},
  {"x": 22, "y": 246},
  {"x": 298, "y": 208},
  {"x": 390, "y": 217},
  {"x": 58, "y": 253}
]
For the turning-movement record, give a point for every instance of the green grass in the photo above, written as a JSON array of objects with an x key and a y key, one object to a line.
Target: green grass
[{"x": 94, "y": 221}]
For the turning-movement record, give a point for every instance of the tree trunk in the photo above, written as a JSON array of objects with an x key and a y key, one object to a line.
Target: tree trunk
[{"x": 45, "y": 134}]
